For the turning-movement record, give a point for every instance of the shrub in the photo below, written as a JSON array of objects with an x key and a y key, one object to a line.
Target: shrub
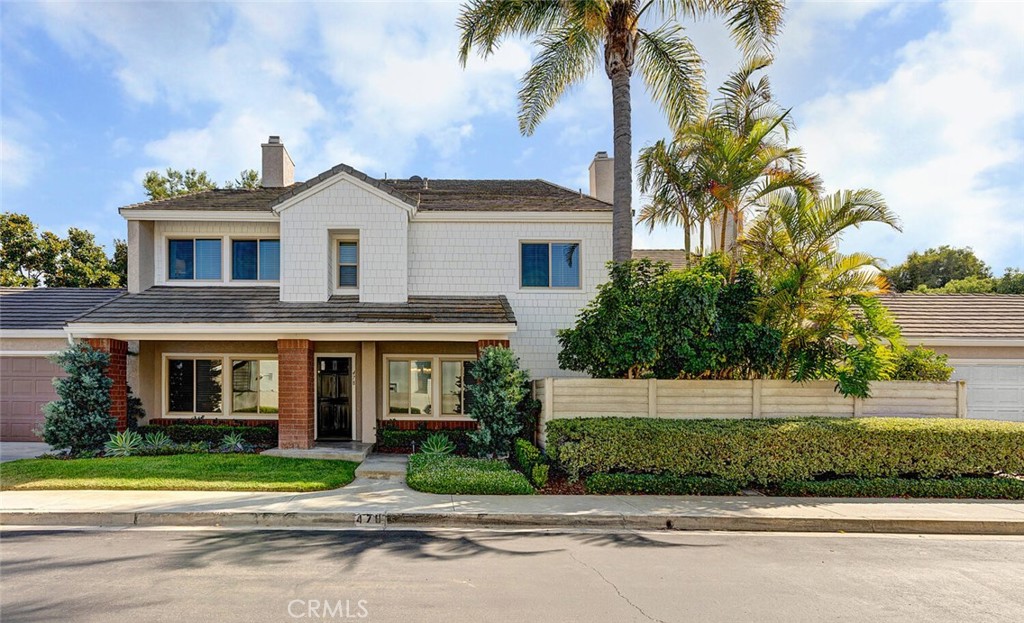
[
  {"x": 438, "y": 444},
  {"x": 495, "y": 399},
  {"x": 920, "y": 364},
  {"x": 259, "y": 436},
  {"x": 394, "y": 440},
  {"x": 136, "y": 411},
  {"x": 128, "y": 443},
  {"x": 978, "y": 488},
  {"x": 157, "y": 441},
  {"x": 464, "y": 476},
  {"x": 765, "y": 451},
  {"x": 530, "y": 461},
  {"x": 80, "y": 418},
  {"x": 659, "y": 484}
]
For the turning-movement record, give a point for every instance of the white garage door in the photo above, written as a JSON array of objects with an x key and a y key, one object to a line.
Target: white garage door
[{"x": 994, "y": 390}]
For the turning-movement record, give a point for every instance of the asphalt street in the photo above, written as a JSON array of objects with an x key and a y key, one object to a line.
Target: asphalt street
[{"x": 452, "y": 576}]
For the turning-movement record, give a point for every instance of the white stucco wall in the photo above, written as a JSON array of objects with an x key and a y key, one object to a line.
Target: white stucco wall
[
  {"x": 308, "y": 262},
  {"x": 164, "y": 230},
  {"x": 483, "y": 258}
]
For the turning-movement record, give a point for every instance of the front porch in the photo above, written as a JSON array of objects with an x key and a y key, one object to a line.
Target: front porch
[{"x": 355, "y": 451}]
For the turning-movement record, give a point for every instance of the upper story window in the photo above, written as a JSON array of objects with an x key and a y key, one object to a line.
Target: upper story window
[
  {"x": 194, "y": 258},
  {"x": 348, "y": 264},
  {"x": 256, "y": 259},
  {"x": 549, "y": 265}
]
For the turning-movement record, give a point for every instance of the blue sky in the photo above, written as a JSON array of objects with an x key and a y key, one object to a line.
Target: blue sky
[{"x": 923, "y": 101}]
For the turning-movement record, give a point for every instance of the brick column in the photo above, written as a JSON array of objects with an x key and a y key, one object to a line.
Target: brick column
[
  {"x": 482, "y": 344},
  {"x": 295, "y": 416},
  {"x": 117, "y": 372}
]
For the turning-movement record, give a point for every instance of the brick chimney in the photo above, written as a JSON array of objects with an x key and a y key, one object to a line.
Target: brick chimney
[
  {"x": 602, "y": 176},
  {"x": 278, "y": 168}
]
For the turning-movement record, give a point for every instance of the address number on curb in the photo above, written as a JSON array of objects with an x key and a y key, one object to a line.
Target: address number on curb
[{"x": 371, "y": 520}]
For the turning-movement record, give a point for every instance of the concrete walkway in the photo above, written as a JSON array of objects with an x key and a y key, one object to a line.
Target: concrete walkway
[
  {"x": 14, "y": 450},
  {"x": 376, "y": 503}
]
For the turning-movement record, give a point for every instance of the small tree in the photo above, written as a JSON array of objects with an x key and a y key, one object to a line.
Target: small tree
[
  {"x": 80, "y": 419},
  {"x": 495, "y": 398}
]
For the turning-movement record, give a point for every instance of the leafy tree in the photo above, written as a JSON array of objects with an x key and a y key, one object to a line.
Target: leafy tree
[
  {"x": 649, "y": 321},
  {"x": 936, "y": 267},
  {"x": 81, "y": 263},
  {"x": 80, "y": 418},
  {"x": 25, "y": 254},
  {"x": 119, "y": 263},
  {"x": 175, "y": 183},
  {"x": 1012, "y": 282},
  {"x": 248, "y": 179},
  {"x": 967, "y": 285},
  {"x": 495, "y": 399},
  {"x": 812, "y": 290},
  {"x": 920, "y": 364},
  {"x": 633, "y": 34}
]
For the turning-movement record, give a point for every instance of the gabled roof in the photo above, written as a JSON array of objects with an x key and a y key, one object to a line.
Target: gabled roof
[
  {"x": 430, "y": 195},
  {"x": 37, "y": 309},
  {"x": 956, "y": 316},
  {"x": 164, "y": 305}
]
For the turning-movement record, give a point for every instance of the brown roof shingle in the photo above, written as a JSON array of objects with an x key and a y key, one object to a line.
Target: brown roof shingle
[
  {"x": 37, "y": 309},
  {"x": 991, "y": 316},
  {"x": 675, "y": 257}
]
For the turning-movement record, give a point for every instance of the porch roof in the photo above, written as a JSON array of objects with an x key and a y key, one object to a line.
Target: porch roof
[{"x": 256, "y": 305}]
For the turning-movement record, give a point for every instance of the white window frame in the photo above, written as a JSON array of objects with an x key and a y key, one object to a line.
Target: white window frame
[
  {"x": 231, "y": 260},
  {"x": 519, "y": 262},
  {"x": 336, "y": 241},
  {"x": 435, "y": 387},
  {"x": 231, "y": 398},
  {"x": 193, "y": 238},
  {"x": 226, "y": 385}
]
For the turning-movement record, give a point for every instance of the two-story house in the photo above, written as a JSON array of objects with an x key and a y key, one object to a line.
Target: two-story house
[{"x": 331, "y": 305}]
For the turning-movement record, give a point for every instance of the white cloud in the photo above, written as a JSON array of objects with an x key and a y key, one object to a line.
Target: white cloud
[{"x": 931, "y": 136}]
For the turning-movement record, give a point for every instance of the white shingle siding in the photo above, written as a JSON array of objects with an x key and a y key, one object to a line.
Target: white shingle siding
[
  {"x": 164, "y": 230},
  {"x": 483, "y": 258},
  {"x": 308, "y": 263}
]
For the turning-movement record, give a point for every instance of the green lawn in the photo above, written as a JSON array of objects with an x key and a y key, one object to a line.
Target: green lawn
[{"x": 186, "y": 472}]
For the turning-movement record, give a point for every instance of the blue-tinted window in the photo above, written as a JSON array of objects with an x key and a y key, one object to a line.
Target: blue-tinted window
[
  {"x": 348, "y": 264},
  {"x": 208, "y": 259},
  {"x": 270, "y": 260},
  {"x": 535, "y": 265},
  {"x": 180, "y": 259},
  {"x": 565, "y": 265},
  {"x": 244, "y": 255}
]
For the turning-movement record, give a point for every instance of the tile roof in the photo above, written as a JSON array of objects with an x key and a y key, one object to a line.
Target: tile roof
[
  {"x": 992, "y": 316},
  {"x": 221, "y": 304},
  {"x": 37, "y": 309},
  {"x": 452, "y": 195},
  {"x": 675, "y": 257}
]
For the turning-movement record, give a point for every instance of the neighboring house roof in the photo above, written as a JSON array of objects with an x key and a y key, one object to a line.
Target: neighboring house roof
[
  {"x": 958, "y": 316},
  {"x": 430, "y": 195},
  {"x": 35, "y": 309},
  {"x": 168, "y": 304},
  {"x": 675, "y": 257}
]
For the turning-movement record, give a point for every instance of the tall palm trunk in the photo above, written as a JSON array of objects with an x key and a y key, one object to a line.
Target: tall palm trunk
[
  {"x": 622, "y": 202},
  {"x": 687, "y": 225}
]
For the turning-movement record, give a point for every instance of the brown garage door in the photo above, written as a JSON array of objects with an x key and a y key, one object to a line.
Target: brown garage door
[{"x": 26, "y": 384}]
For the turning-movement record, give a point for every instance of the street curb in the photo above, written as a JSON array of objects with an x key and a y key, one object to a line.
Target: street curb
[{"x": 609, "y": 521}]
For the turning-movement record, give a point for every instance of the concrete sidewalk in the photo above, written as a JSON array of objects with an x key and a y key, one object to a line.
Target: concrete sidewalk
[{"x": 379, "y": 504}]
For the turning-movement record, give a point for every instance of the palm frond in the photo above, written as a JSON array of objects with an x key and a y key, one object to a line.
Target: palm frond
[
  {"x": 673, "y": 72},
  {"x": 755, "y": 24},
  {"x": 483, "y": 24},
  {"x": 568, "y": 54}
]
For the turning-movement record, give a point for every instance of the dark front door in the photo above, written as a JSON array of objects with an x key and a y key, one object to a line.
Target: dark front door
[{"x": 334, "y": 398}]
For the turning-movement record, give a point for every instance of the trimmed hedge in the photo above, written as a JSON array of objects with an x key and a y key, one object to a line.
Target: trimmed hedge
[
  {"x": 978, "y": 488},
  {"x": 213, "y": 434},
  {"x": 659, "y": 484},
  {"x": 464, "y": 476},
  {"x": 767, "y": 451},
  {"x": 531, "y": 463},
  {"x": 394, "y": 440}
]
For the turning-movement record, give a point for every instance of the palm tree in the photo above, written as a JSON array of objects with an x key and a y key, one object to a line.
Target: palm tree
[
  {"x": 812, "y": 289},
  {"x": 667, "y": 177},
  {"x": 570, "y": 35}
]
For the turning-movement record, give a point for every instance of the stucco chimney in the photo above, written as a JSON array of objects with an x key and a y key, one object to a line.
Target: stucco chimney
[
  {"x": 278, "y": 168},
  {"x": 602, "y": 177}
]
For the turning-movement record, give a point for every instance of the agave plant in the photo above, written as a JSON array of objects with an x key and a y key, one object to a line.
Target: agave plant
[
  {"x": 234, "y": 442},
  {"x": 157, "y": 441},
  {"x": 128, "y": 443},
  {"x": 437, "y": 444}
]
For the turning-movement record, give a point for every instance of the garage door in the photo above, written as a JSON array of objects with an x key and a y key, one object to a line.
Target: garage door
[
  {"x": 26, "y": 384},
  {"x": 994, "y": 391}
]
